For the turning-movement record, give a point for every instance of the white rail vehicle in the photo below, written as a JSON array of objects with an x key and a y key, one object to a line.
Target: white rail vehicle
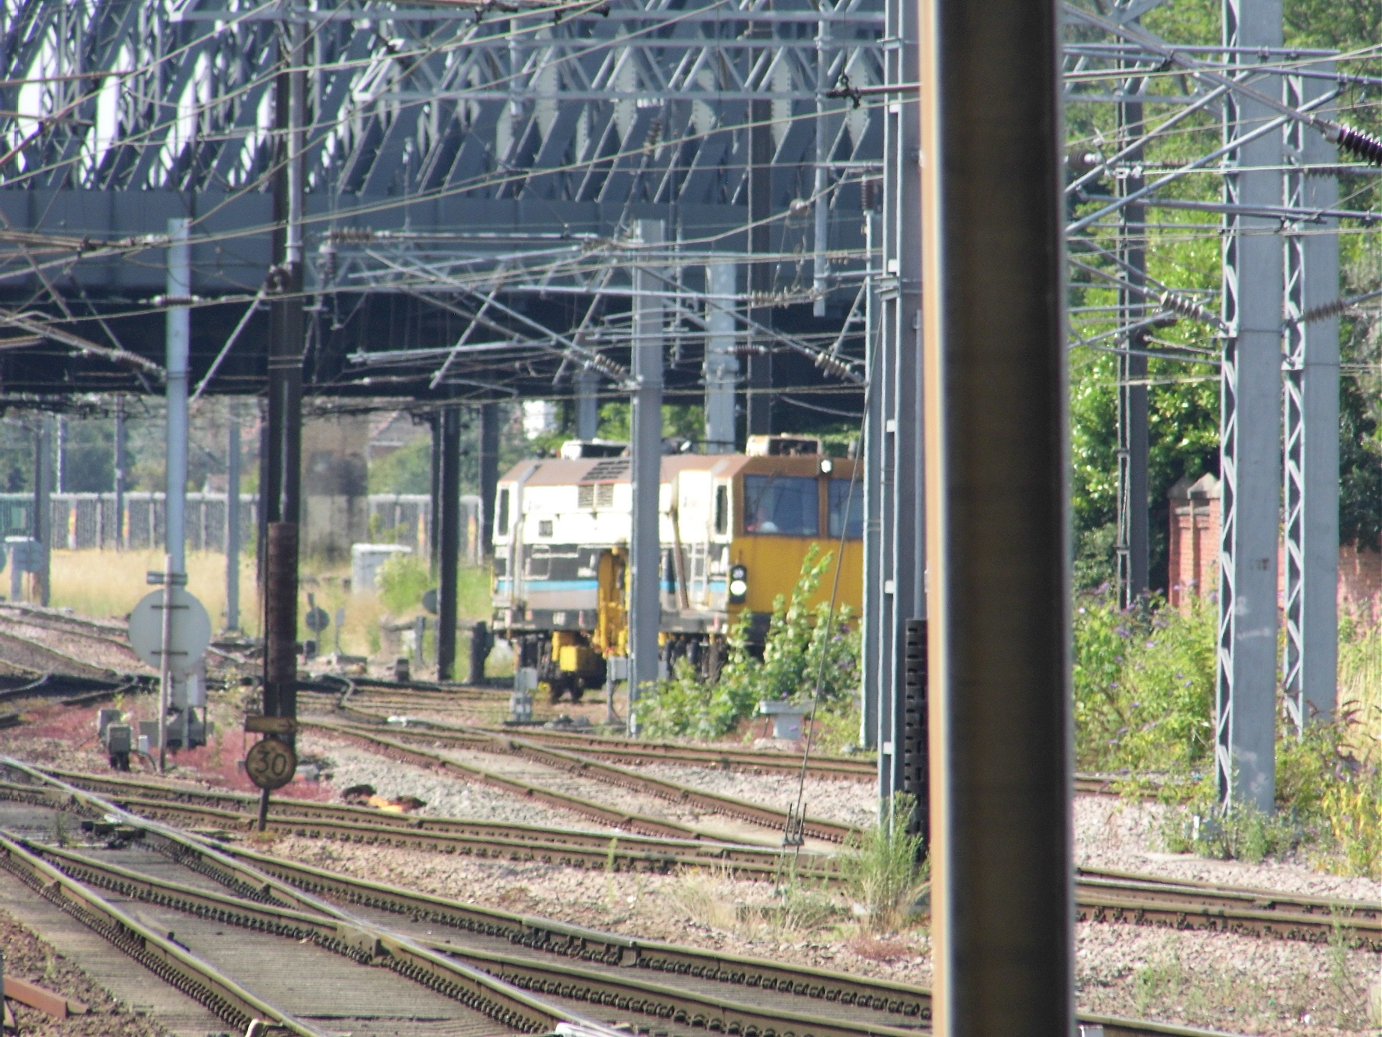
[{"x": 734, "y": 529}]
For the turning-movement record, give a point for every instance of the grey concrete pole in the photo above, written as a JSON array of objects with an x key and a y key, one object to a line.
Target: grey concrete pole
[
  {"x": 645, "y": 548},
  {"x": 898, "y": 385},
  {"x": 587, "y": 403},
  {"x": 1133, "y": 519},
  {"x": 1250, "y": 435},
  {"x": 489, "y": 473},
  {"x": 721, "y": 365},
  {"x": 178, "y": 325},
  {"x": 43, "y": 509},
  {"x": 997, "y": 519},
  {"x": 120, "y": 462},
  {"x": 871, "y": 721},
  {"x": 1311, "y": 422}
]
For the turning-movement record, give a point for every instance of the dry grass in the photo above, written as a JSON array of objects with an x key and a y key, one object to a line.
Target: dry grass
[
  {"x": 108, "y": 584},
  {"x": 713, "y": 898}
]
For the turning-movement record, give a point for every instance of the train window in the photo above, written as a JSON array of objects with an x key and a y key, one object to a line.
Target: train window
[
  {"x": 501, "y": 523},
  {"x": 544, "y": 527},
  {"x": 722, "y": 509},
  {"x": 785, "y": 505},
  {"x": 539, "y": 561},
  {"x": 846, "y": 509}
]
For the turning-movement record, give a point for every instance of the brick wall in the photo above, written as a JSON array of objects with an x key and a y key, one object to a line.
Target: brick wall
[{"x": 1194, "y": 554}]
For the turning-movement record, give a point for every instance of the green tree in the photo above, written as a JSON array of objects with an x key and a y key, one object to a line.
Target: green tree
[
  {"x": 407, "y": 470},
  {"x": 1183, "y": 394},
  {"x": 1360, "y": 471}
]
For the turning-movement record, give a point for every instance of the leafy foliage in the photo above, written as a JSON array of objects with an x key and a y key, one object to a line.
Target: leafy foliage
[
  {"x": 1144, "y": 685},
  {"x": 403, "y": 579},
  {"x": 1360, "y": 471},
  {"x": 407, "y": 470},
  {"x": 805, "y": 655}
]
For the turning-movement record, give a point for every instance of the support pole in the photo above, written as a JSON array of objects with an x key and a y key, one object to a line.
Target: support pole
[
  {"x": 178, "y": 332},
  {"x": 434, "y": 548},
  {"x": 232, "y": 516},
  {"x": 282, "y": 488},
  {"x": 43, "y": 508},
  {"x": 997, "y": 519},
  {"x": 1133, "y": 517},
  {"x": 721, "y": 365},
  {"x": 489, "y": 473},
  {"x": 587, "y": 403},
  {"x": 758, "y": 408},
  {"x": 871, "y": 724},
  {"x": 1250, "y": 433},
  {"x": 120, "y": 464},
  {"x": 165, "y": 664},
  {"x": 1311, "y": 418},
  {"x": 645, "y": 549},
  {"x": 448, "y": 538},
  {"x": 901, "y": 595}
]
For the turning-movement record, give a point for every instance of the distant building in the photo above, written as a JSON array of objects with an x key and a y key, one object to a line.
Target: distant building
[{"x": 1194, "y": 554}]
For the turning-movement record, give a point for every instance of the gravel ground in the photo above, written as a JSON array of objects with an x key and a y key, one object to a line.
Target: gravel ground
[
  {"x": 26, "y": 956},
  {"x": 1235, "y": 984}
]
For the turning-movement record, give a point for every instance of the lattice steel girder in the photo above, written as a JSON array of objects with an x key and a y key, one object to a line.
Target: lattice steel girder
[
  {"x": 406, "y": 102},
  {"x": 1250, "y": 451},
  {"x": 1311, "y": 423}
]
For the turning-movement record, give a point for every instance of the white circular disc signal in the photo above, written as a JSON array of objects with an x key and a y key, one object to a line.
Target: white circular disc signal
[
  {"x": 270, "y": 763},
  {"x": 189, "y": 632}
]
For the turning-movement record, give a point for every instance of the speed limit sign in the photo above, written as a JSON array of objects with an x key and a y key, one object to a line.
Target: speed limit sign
[{"x": 271, "y": 763}]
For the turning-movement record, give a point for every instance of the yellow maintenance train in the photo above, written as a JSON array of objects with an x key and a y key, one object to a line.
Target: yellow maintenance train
[{"x": 734, "y": 530}]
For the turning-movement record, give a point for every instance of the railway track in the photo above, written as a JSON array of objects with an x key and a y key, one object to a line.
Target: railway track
[
  {"x": 134, "y": 880},
  {"x": 374, "y": 702},
  {"x": 26, "y": 655},
  {"x": 1101, "y": 896},
  {"x": 160, "y": 906},
  {"x": 545, "y": 774}
]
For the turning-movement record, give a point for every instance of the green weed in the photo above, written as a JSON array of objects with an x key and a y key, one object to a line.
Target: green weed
[
  {"x": 801, "y": 646},
  {"x": 883, "y": 870}
]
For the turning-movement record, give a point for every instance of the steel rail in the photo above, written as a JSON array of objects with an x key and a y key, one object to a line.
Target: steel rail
[
  {"x": 615, "y": 818},
  {"x": 277, "y": 903},
  {"x": 769, "y": 817},
  {"x": 175, "y": 966},
  {"x": 1101, "y": 896},
  {"x": 911, "y": 1002},
  {"x": 614, "y": 748},
  {"x": 369, "y": 944},
  {"x": 593, "y": 946},
  {"x": 259, "y": 881}
]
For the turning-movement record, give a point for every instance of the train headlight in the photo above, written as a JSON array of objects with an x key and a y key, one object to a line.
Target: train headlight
[
  {"x": 826, "y": 466},
  {"x": 738, "y": 584}
]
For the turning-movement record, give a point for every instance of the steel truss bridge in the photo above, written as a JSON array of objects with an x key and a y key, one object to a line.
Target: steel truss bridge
[{"x": 471, "y": 174}]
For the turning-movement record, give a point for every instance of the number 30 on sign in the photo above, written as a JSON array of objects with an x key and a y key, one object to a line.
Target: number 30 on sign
[{"x": 271, "y": 763}]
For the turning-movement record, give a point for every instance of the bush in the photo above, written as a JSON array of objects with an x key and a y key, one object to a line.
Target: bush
[
  {"x": 403, "y": 580},
  {"x": 1144, "y": 685},
  {"x": 805, "y": 656}
]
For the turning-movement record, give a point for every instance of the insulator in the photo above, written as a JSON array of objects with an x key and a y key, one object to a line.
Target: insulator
[
  {"x": 1364, "y": 145},
  {"x": 1323, "y": 312},
  {"x": 832, "y": 364},
  {"x": 1187, "y": 308}
]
